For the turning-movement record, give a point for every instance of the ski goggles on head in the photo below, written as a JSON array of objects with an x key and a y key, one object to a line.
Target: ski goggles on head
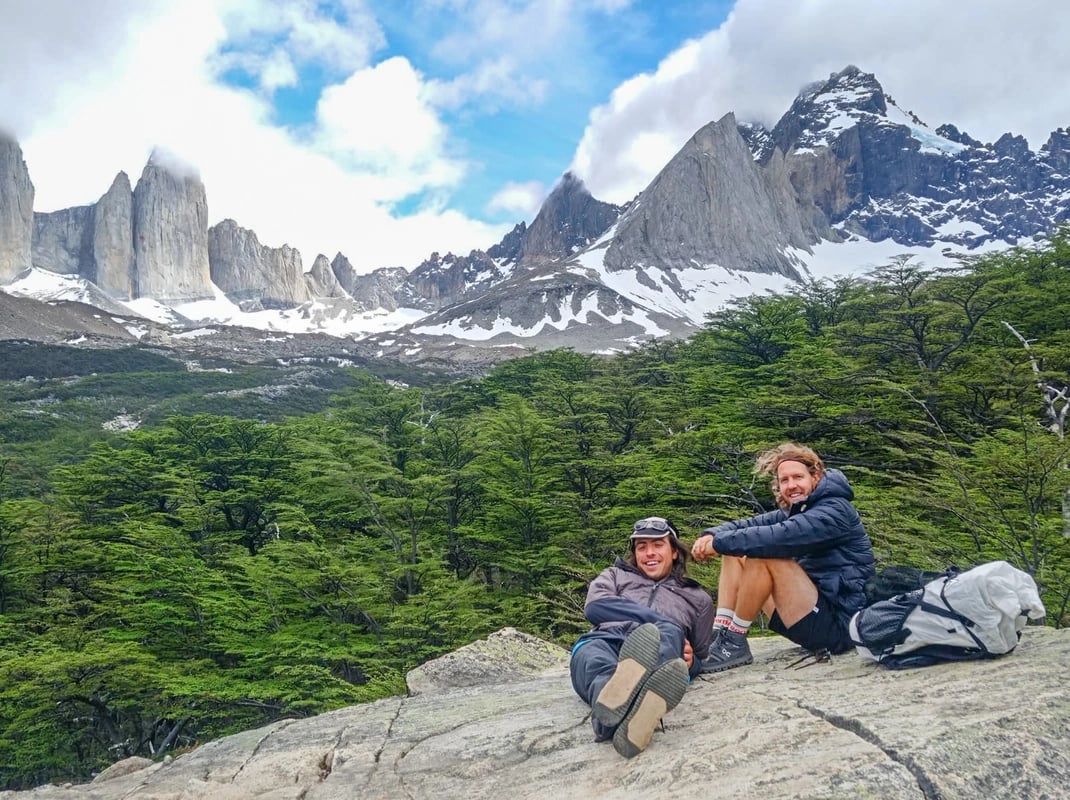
[{"x": 653, "y": 528}]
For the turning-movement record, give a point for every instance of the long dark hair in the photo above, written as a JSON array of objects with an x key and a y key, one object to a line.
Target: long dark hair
[{"x": 679, "y": 564}]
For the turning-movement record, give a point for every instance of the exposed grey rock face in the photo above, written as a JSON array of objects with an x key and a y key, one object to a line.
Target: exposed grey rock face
[
  {"x": 498, "y": 719},
  {"x": 713, "y": 204},
  {"x": 508, "y": 250},
  {"x": 1056, "y": 151},
  {"x": 468, "y": 288},
  {"x": 569, "y": 220},
  {"x": 443, "y": 281},
  {"x": 252, "y": 275},
  {"x": 63, "y": 240},
  {"x": 320, "y": 280},
  {"x": 344, "y": 273},
  {"x": 93, "y": 242},
  {"x": 113, "y": 241},
  {"x": 547, "y": 303},
  {"x": 378, "y": 289},
  {"x": 878, "y": 171},
  {"x": 170, "y": 214},
  {"x": 16, "y": 211}
]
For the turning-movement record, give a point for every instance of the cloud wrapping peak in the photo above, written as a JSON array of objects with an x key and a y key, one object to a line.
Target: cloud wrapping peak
[
  {"x": 356, "y": 125},
  {"x": 991, "y": 68}
]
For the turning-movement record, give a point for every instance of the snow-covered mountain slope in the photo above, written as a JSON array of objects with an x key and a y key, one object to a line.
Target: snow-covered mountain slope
[
  {"x": 846, "y": 181},
  {"x": 878, "y": 171}
]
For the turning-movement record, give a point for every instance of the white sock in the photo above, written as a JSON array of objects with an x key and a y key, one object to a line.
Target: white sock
[{"x": 738, "y": 625}]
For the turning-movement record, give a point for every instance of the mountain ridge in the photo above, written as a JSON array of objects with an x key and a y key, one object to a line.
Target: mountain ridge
[{"x": 740, "y": 208}]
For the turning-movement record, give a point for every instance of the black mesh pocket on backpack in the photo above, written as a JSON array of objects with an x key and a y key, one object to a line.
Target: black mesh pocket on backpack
[
  {"x": 899, "y": 579},
  {"x": 882, "y": 625}
]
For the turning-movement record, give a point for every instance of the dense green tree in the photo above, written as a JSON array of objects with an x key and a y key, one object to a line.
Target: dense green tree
[{"x": 211, "y": 573}]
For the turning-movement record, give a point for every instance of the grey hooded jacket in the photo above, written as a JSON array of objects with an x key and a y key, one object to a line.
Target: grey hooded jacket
[{"x": 622, "y": 597}]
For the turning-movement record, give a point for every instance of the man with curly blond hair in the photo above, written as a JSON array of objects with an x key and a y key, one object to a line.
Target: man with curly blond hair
[{"x": 805, "y": 564}]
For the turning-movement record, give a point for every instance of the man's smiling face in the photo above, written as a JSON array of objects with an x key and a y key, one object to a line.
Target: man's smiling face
[
  {"x": 794, "y": 481},
  {"x": 654, "y": 557}
]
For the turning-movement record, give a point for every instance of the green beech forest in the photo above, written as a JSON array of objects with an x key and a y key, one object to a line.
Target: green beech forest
[{"x": 235, "y": 561}]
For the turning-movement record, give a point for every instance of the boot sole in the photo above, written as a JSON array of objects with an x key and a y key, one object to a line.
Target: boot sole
[
  {"x": 661, "y": 693},
  {"x": 637, "y": 659}
]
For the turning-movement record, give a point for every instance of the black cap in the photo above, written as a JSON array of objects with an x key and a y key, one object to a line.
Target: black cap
[{"x": 653, "y": 528}]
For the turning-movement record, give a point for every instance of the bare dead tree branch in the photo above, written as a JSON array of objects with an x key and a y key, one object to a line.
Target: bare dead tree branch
[{"x": 1056, "y": 398}]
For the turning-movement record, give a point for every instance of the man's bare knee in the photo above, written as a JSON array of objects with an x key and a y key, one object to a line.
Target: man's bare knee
[{"x": 794, "y": 593}]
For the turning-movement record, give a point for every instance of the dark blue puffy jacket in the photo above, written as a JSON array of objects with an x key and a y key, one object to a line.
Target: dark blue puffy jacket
[{"x": 822, "y": 532}]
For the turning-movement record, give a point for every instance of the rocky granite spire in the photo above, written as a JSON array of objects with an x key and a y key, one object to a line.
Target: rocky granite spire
[
  {"x": 170, "y": 227},
  {"x": 252, "y": 275},
  {"x": 16, "y": 211},
  {"x": 92, "y": 242},
  {"x": 344, "y": 272},
  {"x": 569, "y": 220},
  {"x": 113, "y": 240},
  {"x": 320, "y": 280},
  {"x": 377, "y": 289},
  {"x": 714, "y": 204}
]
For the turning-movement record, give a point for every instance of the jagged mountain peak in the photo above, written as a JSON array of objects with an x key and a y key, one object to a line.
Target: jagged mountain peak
[
  {"x": 824, "y": 110},
  {"x": 508, "y": 249},
  {"x": 568, "y": 184},
  {"x": 739, "y": 208},
  {"x": 569, "y": 220},
  {"x": 1057, "y": 150},
  {"x": 850, "y": 88},
  {"x": 713, "y": 205}
]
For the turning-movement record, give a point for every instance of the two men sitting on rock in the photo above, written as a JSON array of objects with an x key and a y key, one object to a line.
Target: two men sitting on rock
[{"x": 805, "y": 565}]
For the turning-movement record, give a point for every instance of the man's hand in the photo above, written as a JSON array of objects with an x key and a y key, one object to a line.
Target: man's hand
[
  {"x": 702, "y": 549},
  {"x": 689, "y": 653}
]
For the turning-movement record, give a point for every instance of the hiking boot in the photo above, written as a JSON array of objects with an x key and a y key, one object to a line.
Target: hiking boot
[
  {"x": 731, "y": 650},
  {"x": 715, "y": 642},
  {"x": 637, "y": 658},
  {"x": 661, "y": 693}
]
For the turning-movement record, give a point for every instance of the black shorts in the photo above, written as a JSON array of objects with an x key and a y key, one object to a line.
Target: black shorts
[{"x": 820, "y": 629}]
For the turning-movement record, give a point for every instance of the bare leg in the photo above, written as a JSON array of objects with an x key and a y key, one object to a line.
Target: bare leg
[
  {"x": 758, "y": 584},
  {"x": 775, "y": 584},
  {"x": 729, "y": 582}
]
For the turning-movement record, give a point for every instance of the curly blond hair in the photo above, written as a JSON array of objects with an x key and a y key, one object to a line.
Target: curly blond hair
[{"x": 768, "y": 462}]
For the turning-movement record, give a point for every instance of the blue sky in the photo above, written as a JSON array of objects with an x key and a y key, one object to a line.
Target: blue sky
[
  {"x": 388, "y": 129},
  {"x": 521, "y": 128}
]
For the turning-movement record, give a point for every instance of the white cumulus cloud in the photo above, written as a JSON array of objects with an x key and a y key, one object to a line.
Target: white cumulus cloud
[{"x": 987, "y": 66}]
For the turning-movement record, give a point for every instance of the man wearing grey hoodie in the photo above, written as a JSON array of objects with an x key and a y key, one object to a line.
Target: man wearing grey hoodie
[{"x": 652, "y": 628}]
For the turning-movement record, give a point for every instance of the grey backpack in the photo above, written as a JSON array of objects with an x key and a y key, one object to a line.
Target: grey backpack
[{"x": 978, "y": 613}]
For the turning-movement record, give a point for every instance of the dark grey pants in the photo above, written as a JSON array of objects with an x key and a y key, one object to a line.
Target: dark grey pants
[{"x": 594, "y": 658}]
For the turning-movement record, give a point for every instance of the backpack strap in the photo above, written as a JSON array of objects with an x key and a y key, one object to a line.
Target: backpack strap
[{"x": 949, "y": 612}]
